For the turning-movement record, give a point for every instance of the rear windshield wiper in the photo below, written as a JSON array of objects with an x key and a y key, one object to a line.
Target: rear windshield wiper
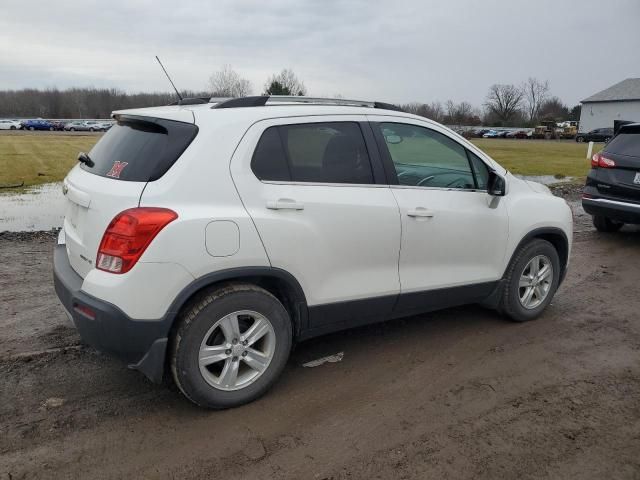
[{"x": 84, "y": 158}]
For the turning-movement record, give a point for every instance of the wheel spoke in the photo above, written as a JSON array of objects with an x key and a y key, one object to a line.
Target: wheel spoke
[
  {"x": 258, "y": 330},
  {"x": 544, "y": 273},
  {"x": 212, "y": 354},
  {"x": 525, "y": 281},
  {"x": 230, "y": 328},
  {"x": 256, "y": 360},
  {"x": 535, "y": 266},
  {"x": 526, "y": 299},
  {"x": 229, "y": 374}
]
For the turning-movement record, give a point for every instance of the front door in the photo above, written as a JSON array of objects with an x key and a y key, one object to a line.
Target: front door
[{"x": 454, "y": 234}]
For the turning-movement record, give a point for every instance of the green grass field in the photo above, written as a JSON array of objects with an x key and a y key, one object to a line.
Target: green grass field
[
  {"x": 40, "y": 158},
  {"x": 36, "y": 159},
  {"x": 540, "y": 157}
]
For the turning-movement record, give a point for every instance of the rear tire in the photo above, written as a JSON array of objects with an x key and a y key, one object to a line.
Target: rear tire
[
  {"x": 204, "y": 331},
  {"x": 604, "y": 224},
  {"x": 514, "y": 301}
]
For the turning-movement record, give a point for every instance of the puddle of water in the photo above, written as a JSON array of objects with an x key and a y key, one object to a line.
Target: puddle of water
[
  {"x": 544, "y": 179},
  {"x": 34, "y": 209}
]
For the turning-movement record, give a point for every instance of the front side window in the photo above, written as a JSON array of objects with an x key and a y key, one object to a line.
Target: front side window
[
  {"x": 480, "y": 171},
  {"x": 331, "y": 152},
  {"x": 426, "y": 158}
]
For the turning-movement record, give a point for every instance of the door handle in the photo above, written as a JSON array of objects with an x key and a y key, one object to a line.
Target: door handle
[
  {"x": 284, "y": 204},
  {"x": 421, "y": 212}
]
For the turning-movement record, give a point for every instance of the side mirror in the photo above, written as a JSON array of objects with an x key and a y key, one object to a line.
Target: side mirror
[{"x": 496, "y": 186}]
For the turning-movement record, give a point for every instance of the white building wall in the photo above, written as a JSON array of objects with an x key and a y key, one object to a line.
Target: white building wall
[{"x": 602, "y": 114}]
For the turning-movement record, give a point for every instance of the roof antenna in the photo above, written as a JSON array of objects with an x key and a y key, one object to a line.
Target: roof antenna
[{"x": 168, "y": 77}]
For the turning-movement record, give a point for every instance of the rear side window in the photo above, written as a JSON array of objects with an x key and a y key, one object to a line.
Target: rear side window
[
  {"x": 625, "y": 143},
  {"x": 332, "y": 152},
  {"x": 140, "y": 150}
]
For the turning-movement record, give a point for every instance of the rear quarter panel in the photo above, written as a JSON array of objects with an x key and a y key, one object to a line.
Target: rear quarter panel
[{"x": 200, "y": 189}]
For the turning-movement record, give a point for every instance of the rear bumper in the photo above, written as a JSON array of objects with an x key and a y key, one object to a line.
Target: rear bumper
[
  {"x": 621, "y": 211},
  {"x": 140, "y": 343}
]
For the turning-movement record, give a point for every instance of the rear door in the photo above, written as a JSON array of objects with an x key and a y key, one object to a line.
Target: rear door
[
  {"x": 623, "y": 180},
  {"x": 315, "y": 189},
  {"x": 134, "y": 151}
]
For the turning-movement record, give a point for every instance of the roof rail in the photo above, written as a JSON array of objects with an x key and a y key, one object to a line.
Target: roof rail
[
  {"x": 262, "y": 100},
  {"x": 190, "y": 101}
]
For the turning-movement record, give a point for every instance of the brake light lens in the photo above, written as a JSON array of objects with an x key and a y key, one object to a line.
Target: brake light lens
[
  {"x": 128, "y": 236},
  {"x": 599, "y": 160}
]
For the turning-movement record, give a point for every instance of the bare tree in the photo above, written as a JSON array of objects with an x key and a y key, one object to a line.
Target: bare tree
[
  {"x": 554, "y": 109},
  {"x": 285, "y": 83},
  {"x": 535, "y": 93},
  {"x": 432, "y": 111},
  {"x": 462, "y": 113},
  {"x": 504, "y": 101},
  {"x": 228, "y": 83}
]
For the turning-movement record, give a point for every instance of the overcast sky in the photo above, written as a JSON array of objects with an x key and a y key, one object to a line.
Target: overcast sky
[{"x": 395, "y": 51}]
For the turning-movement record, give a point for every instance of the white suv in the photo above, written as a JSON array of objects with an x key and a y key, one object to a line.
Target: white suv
[{"x": 207, "y": 239}]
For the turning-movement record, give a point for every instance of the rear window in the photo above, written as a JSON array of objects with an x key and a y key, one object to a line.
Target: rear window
[
  {"x": 626, "y": 143},
  {"x": 140, "y": 149}
]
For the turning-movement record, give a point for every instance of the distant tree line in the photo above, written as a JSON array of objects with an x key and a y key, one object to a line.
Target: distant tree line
[
  {"x": 78, "y": 102},
  {"x": 505, "y": 105}
]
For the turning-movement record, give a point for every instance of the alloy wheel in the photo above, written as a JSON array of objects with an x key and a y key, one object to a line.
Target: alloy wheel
[{"x": 237, "y": 350}]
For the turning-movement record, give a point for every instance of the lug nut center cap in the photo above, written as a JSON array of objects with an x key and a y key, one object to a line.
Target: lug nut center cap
[{"x": 236, "y": 350}]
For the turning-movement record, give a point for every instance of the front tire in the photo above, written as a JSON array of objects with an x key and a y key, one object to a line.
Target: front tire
[
  {"x": 604, "y": 224},
  {"x": 580, "y": 139},
  {"x": 531, "y": 281},
  {"x": 230, "y": 346}
]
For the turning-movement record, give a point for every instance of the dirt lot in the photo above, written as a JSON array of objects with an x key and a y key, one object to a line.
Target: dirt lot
[{"x": 461, "y": 393}]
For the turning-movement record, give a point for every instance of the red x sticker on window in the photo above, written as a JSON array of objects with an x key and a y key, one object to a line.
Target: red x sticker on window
[{"x": 116, "y": 170}]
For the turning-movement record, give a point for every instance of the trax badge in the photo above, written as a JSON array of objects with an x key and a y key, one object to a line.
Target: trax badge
[{"x": 117, "y": 168}]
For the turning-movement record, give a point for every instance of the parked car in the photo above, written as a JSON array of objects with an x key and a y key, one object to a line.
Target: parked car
[
  {"x": 94, "y": 126},
  {"x": 596, "y": 135},
  {"x": 503, "y": 133},
  {"x": 104, "y": 126},
  {"x": 518, "y": 134},
  {"x": 38, "y": 124},
  {"x": 209, "y": 239},
  {"x": 491, "y": 134},
  {"x": 84, "y": 126},
  {"x": 612, "y": 191},
  {"x": 58, "y": 125},
  {"x": 75, "y": 126},
  {"x": 10, "y": 125}
]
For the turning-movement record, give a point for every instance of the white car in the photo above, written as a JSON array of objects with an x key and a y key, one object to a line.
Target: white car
[
  {"x": 10, "y": 125},
  {"x": 206, "y": 239}
]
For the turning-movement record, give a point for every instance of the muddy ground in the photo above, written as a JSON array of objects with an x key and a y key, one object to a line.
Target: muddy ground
[{"x": 460, "y": 393}]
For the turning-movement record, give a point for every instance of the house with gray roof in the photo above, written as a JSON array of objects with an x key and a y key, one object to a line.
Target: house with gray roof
[{"x": 618, "y": 102}]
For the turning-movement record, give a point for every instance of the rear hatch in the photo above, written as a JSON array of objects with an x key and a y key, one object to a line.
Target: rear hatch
[
  {"x": 136, "y": 150},
  {"x": 623, "y": 180}
]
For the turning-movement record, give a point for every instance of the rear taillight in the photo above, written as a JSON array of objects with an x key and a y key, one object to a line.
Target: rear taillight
[
  {"x": 128, "y": 235},
  {"x": 599, "y": 160}
]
